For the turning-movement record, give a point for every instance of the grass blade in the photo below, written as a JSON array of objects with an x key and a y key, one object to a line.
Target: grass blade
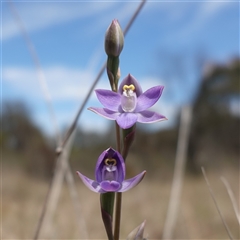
[
  {"x": 215, "y": 202},
  {"x": 231, "y": 195}
]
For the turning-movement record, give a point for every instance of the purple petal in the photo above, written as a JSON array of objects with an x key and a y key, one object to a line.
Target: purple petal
[
  {"x": 150, "y": 117},
  {"x": 109, "y": 99},
  {"x": 110, "y": 186},
  {"x": 91, "y": 184},
  {"x": 98, "y": 172},
  {"x": 104, "y": 112},
  {"x": 132, "y": 182},
  {"x": 128, "y": 81},
  {"x": 127, "y": 120},
  {"x": 128, "y": 103},
  {"x": 148, "y": 98},
  {"x": 110, "y": 153},
  {"x": 120, "y": 165}
]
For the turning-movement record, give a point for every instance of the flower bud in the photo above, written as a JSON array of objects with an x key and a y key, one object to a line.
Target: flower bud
[
  {"x": 114, "y": 39},
  {"x": 137, "y": 233}
]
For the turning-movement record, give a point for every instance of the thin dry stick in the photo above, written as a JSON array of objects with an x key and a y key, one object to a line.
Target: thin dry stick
[
  {"x": 73, "y": 126},
  {"x": 40, "y": 74},
  {"x": 216, "y": 205},
  {"x": 74, "y": 195},
  {"x": 53, "y": 193},
  {"x": 62, "y": 168},
  {"x": 179, "y": 169},
  {"x": 47, "y": 97},
  {"x": 231, "y": 195},
  {"x": 74, "y": 123}
]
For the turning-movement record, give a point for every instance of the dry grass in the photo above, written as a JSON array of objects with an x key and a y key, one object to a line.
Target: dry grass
[{"x": 23, "y": 197}]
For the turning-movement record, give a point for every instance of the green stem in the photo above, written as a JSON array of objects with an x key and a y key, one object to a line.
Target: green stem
[
  {"x": 118, "y": 138},
  {"x": 117, "y": 215},
  {"x": 128, "y": 137},
  {"x": 112, "y": 71},
  {"x": 107, "y": 204},
  {"x": 118, "y": 194}
]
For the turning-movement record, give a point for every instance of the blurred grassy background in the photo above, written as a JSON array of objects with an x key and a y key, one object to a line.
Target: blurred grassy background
[
  {"x": 29, "y": 159},
  {"x": 23, "y": 198},
  {"x": 187, "y": 40}
]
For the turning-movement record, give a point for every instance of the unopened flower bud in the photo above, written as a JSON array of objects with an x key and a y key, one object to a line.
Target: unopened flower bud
[
  {"x": 114, "y": 39},
  {"x": 137, "y": 233}
]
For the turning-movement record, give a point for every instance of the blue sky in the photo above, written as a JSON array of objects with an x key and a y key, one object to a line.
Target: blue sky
[{"x": 68, "y": 37}]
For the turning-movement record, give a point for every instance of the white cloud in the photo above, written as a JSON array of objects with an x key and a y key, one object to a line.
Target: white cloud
[
  {"x": 42, "y": 15},
  {"x": 149, "y": 81},
  {"x": 209, "y": 9},
  {"x": 68, "y": 87},
  {"x": 63, "y": 83},
  {"x": 37, "y": 15},
  {"x": 202, "y": 13}
]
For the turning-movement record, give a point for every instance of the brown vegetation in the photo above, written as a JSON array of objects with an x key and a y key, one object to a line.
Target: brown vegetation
[
  {"x": 23, "y": 198},
  {"x": 28, "y": 163}
]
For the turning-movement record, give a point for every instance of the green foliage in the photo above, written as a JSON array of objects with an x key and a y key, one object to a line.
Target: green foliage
[
  {"x": 215, "y": 127},
  {"x": 22, "y": 141}
]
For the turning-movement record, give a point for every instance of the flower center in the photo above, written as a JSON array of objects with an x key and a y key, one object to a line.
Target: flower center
[
  {"x": 110, "y": 161},
  {"x": 110, "y": 171},
  {"x": 128, "y": 87},
  {"x": 129, "y": 98}
]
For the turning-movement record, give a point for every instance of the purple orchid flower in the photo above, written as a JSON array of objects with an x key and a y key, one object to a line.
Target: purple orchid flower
[
  {"x": 110, "y": 174},
  {"x": 129, "y": 105}
]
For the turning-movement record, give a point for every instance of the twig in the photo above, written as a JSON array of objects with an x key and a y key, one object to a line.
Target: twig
[
  {"x": 63, "y": 169},
  {"x": 216, "y": 205},
  {"x": 47, "y": 97},
  {"x": 74, "y": 123},
  {"x": 56, "y": 186},
  {"x": 231, "y": 195},
  {"x": 134, "y": 17},
  {"x": 74, "y": 195},
  {"x": 179, "y": 169},
  {"x": 59, "y": 171},
  {"x": 40, "y": 73}
]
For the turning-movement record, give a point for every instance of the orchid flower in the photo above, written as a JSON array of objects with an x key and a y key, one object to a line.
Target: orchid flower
[
  {"x": 110, "y": 174},
  {"x": 129, "y": 105}
]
